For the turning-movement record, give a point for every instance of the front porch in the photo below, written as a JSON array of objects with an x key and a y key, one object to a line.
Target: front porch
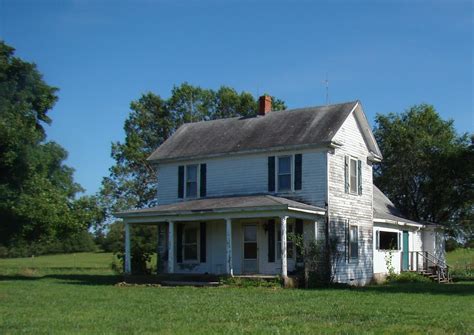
[{"x": 245, "y": 235}]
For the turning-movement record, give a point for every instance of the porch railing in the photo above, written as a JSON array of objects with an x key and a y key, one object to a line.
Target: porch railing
[{"x": 427, "y": 264}]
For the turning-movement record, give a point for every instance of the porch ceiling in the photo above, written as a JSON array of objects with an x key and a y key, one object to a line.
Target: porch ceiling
[{"x": 224, "y": 205}]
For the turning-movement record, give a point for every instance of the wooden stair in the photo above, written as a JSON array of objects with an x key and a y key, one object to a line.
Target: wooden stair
[{"x": 430, "y": 267}]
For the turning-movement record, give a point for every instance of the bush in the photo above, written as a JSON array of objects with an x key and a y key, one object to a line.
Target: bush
[
  {"x": 452, "y": 244},
  {"x": 466, "y": 274},
  {"x": 250, "y": 282},
  {"x": 80, "y": 242},
  {"x": 407, "y": 277}
]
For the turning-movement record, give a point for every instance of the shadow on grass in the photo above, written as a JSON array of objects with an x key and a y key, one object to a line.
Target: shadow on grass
[
  {"x": 421, "y": 288},
  {"x": 464, "y": 288},
  {"x": 73, "y": 279}
]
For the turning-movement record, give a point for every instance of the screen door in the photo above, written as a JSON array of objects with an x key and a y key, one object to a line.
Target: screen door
[{"x": 250, "y": 249}]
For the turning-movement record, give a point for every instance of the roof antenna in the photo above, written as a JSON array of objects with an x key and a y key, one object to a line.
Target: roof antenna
[{"x": 326, "y": 82}]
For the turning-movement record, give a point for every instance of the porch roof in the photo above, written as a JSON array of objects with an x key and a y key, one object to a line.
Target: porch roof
[
  {"x": 230, "y": 204},
  {"x": 385, "y": 211}
]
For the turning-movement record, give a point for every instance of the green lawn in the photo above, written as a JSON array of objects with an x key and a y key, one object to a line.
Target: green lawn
[{"x": 60, "y": 296}]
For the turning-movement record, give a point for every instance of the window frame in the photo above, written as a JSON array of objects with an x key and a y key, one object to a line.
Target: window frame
[
  {"x": 349, "y": 249},
  {"x": 291, "y": 174},
  {"x": 377, "y": 246},
  {"x": 353, "y": 159},
  {"x": 198, "y": 184},
  {"x": 184, "y": 244}
]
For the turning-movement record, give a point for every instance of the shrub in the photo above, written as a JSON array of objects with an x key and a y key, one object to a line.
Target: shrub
[
  {"x": 452, "y": 244},
  {"x": 407, "y": 277},
  {"x": 466, "y": 274},
  {"x": 250, "y": 282}
]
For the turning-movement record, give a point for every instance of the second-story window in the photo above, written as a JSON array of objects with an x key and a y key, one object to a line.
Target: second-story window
[
  {"x": 353, "y": 175},
  {"x": 284, "y": 173},
  {"x": 191, "y": 181}
]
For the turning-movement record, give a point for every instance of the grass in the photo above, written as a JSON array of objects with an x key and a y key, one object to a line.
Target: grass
[
  {"x": 461, "y": 262},
  {"x": 56, "y": 296}
]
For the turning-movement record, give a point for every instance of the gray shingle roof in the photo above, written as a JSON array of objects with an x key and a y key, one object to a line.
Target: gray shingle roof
[
  {"x": 221, "y": 204},
  {"x": 288, "y": 128},
  {"x": 385, "y": 209}
]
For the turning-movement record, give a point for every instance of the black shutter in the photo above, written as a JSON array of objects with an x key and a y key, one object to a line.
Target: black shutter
[
  {"x": 179, "y": 244},
  {"x": 299, "y": 232},
  {"x": 181, "y": 181},
  {"x": 202, "y": 232},
  {"x": 346, "y": 174},
  {"x": 346, "y": 240},
  {"x": 271, "y": 174},
  {"x": 298, "y": 171},
  {"x": 203, "y": 181},
  {"x": 271, "y": 241},
  {"x": 359, "y": 176}
]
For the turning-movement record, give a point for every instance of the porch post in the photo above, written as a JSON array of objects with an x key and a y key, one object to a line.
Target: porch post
[
  {"x": 228, "y": 233},
  {"x": 284, "y": 262},
  {"x": 128, "y": 264},
  {"x": 171, "y": 247}
]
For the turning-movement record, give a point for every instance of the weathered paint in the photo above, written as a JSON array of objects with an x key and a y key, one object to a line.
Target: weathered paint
[
  {"x": 128, "y": 264},
  {"x": 228, "y": 230},
  {"x": 284, "y": 263},
  {"x": 171, "y": 247},
  {"x": 353, "y": 207}
]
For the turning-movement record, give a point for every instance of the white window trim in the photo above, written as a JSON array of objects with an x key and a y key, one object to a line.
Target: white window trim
[
  {"x": 198, "y": 243},
  {"x": 198, "y": 181},
  {"x": 292, "y": 173},
  {"x": 351, "y": 158},
  {"x": 399, "y": 240}
]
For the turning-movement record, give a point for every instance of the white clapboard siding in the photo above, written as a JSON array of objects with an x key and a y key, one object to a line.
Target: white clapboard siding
[
  {"x": 248, "y": 174},
  {"x": 356, "y": 208}
]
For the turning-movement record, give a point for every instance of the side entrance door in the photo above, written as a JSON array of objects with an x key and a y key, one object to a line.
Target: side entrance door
[
  {"x": 405, "y": 251},
  {"x": 250, "y": 264}
]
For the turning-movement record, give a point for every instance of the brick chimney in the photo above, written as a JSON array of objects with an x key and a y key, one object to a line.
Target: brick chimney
[{"x": 264, "y": 105}]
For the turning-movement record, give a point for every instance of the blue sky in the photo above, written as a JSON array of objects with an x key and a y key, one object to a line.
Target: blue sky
[{"x": 104, "y": 54}]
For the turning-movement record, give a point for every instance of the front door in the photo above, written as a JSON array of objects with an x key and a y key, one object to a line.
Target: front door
[
  {"x": 250, "y": 249},
  {"x": 405, "y": 251}
]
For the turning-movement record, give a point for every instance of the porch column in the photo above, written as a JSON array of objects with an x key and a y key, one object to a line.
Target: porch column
[
  {"x": 171, "y": 247},
  {"x": 228, "y": 233},
  {"x": 284, "y": 262},
  {"x": 128, "y": 263}
]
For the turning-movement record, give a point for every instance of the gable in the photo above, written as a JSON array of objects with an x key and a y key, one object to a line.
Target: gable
[
  {"x": 296, "y": 128},
  {"x": 357, "y": 129}
]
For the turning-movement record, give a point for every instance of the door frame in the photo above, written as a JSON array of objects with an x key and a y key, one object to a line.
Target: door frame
[
  {"x": 243, "y": 246},
  {"x": 406, "y": 250}
]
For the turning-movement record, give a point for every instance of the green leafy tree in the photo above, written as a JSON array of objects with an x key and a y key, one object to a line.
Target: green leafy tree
[
  {"x": 428, "y": 169},
  {"x": 37, "y": 190}
]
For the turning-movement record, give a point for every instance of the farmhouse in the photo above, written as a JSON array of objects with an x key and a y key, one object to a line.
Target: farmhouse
[{"x": 232, "y": 190}]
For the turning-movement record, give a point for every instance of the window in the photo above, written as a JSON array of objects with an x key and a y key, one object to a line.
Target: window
[
  {"x": 284, "y": 173},
  {"x": 190, "y": 243},
  {"x": 353, "y": 175},
  {"x": 353, "y": 242},
  {"x": 191, "y": 181},
  {"x": 289, "y": 243},
  {"x": 387, "y": 240}
]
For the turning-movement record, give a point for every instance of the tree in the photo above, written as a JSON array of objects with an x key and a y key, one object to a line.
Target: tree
[
  {"x": 37, "y": 190},
  {"x": 428, "y": 169},
  {"x": 132, "y": 182}
]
